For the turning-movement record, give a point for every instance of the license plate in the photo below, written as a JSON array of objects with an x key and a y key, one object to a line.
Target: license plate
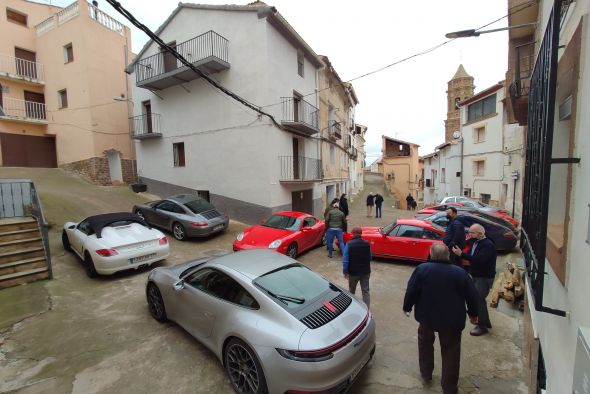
[
  {"x": 139, "y": 259},
  {"x": 358, "y": 369},
  {"x": 218, "y": 227}
]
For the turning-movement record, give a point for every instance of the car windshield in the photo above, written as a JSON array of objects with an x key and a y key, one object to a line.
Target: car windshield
[
  {"x": 199, "y": 205},
  {"x": 292, "y": 285},
  {"x": 387, "y": 229},
  {"x": 283, "y": 222}
]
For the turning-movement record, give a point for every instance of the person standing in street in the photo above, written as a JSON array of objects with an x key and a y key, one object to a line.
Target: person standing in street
[
  {"x": 356, "y": 264},
  {"x": 370, "y": 203},
  {"x": 335, "y": 222},
  {"x": 330, "y": 206},
  {"x": 343, "y": 206},
  {"x": 454, "y": 235},
  {"x": 441, "y": 294},
  {"x": 378, "y": 203},
  {"x": 482, "y": 260},
  {"x": 409, "y": 201}
]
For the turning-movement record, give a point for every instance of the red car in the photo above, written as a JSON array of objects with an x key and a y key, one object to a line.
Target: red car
[
  {"x": 468, "y": 206},
  {"x": 288, "y": 232},
  {"x": 404, "y": 239}
]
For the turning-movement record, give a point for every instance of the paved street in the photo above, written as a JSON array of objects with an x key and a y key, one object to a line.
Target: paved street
[{"x": 77, "y": 335}]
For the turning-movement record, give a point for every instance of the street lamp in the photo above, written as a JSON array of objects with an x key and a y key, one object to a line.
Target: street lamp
[{"x": 476, "y": 33}]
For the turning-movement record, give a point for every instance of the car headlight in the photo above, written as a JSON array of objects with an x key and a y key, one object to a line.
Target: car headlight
[
  {"x": 275, "y": 244},
  {"x": 240, "y": 236}
]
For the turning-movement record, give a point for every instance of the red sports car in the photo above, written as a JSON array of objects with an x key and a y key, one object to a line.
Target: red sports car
[
  {"x": 287, "y": 232},
  {"x": 404, "y": 239}
]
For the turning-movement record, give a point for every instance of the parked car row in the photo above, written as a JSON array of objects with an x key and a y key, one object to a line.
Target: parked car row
[{"x": 275, "y": 325}]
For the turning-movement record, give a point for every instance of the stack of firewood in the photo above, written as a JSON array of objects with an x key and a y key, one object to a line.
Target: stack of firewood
[{"x": 509, "y": 286}]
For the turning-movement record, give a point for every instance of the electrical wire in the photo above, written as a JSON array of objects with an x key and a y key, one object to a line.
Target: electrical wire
[{"x": 117, "y": 6}]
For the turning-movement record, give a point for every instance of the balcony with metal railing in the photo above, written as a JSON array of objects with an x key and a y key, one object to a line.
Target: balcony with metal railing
[
  {"x": 300, "y": 116},
  {"x": 524, "y": 60},
  {"x": 145, "y": 126},
  {"x": 353, "y": 152},
  {"x": 208, "y": 52},
  {"x": 334, "y": 130},
  {"x": 22, "y": 70},
  {"x": 22, "y": 111},
  {"x": 300, "y": 169}
]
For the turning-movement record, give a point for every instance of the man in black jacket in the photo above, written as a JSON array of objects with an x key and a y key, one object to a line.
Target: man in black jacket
[
  {"x": 441, "y": 293},
  {"x": 356, "y": 264},
  {"x": 454, "y": 234},
  {"x": 482, "y": 261}
]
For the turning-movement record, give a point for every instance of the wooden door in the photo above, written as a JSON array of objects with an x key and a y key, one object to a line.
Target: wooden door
[
  {"x": 302, "y": 201},
  {"x": 295, "y": 158},
  {"x": 1, "y": 105},
  {"x": 28, "y": 151},
  {"x": 147, "y": 110}
]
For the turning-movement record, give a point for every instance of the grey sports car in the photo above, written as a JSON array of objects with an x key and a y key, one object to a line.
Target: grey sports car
[
  {"x": 275, "y": 325},
  {"x": 185, "y": 215}
]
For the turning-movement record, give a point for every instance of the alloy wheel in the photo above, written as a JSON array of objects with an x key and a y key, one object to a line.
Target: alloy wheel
[
  {"x": 156, "y": 303},
  {"x": 292, "y": 250},
  {"x": 242, "y": 369},
  {"x": 178, "y": 232}
]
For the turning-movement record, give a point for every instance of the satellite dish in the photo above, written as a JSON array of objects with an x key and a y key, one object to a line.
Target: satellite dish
[{"x": 457, "y": 134}]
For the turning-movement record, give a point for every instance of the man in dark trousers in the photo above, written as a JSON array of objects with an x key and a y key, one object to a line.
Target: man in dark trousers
[
  {"x": 441, "y": 294},
  {"x": 378, "y": 203},
  {"x": 370, "y": 203},
  {"x": 335, "y": 222},
  {"x": 482, "y": 260},
  {"x": 454, "y": 235},
  {"x": 356, "y": 264}
]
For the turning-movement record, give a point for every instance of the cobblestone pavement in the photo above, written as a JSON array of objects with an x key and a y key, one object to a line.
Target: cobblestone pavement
[{"x": 76, "y": 335}]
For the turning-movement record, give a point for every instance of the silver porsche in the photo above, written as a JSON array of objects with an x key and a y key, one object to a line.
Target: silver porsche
[{"x": 275, "y": 325}]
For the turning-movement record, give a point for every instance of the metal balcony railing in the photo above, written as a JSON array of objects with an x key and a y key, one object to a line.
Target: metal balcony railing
[
  {"x": 300, "y": 169},
  {"x": 17, "y": 68},
  {"x": 300, "y": 115},
  {"x": 524, "y": 61},
  {"x": 334, "y": 129},
  {"x": 145, "y": 126},
  {"x": 22, "y": 110},
  {"x": 209, "y": 44},
  {"x": 353, "y": 152}
]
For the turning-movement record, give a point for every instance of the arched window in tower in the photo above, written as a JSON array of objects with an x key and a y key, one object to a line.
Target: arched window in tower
[{"x": 457, "y": 101}]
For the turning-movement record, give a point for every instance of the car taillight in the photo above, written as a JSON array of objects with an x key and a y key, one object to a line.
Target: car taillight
[
  {"x": 198, "y": 224},
  {"x": 106, "y": 252},
  {"x": 508, "y": 235},
  {"x": 163, "y": 241}
]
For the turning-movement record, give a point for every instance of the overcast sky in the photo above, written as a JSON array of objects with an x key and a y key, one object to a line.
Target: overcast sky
[{"x": 405, "y": 101}]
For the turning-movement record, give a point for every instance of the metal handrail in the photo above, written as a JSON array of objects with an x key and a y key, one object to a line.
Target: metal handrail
[
  {"x": 209, "y": 44},
  {"x": 19, "y": 198},
  {"x": 335, "y": 128},
  {"x": 297, "y": 110},
  {"x": 300, "y": 168},
  {"x": 145, "y": 124},
  {"x": 21, "y": 68},
  {"x": 523, "y": 68},
  {"x": 22, "y": 109}
]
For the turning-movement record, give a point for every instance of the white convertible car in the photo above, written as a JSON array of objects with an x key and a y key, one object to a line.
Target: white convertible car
[{"x": 114, "y": 242}]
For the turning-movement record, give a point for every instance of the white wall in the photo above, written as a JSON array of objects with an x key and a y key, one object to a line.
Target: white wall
[{"x": 229, "y": 150}]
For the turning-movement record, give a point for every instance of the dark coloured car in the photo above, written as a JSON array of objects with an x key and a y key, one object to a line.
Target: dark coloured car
[
  {"x": 185, "y": 215},
  {"x": 502, "y": 236},
  {"x": 491, "y": 216}
]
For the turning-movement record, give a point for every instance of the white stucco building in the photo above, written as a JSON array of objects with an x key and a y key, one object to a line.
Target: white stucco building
[
  {"x": 555, "y": 240},
  {"x": 190, "y": 136},
  {"x": 442, "y": 172}
]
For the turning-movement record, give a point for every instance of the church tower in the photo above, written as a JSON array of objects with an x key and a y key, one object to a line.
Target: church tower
[{"x": 460, "y": 88}]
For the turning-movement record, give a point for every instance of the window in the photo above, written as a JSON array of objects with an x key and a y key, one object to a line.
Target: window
[
  {"x": 169, "y": 206},
  {"x": 84, "y": 227},
  {"x": 458, "y": 174},
  {"x": 409, "y": 231},
  {"x": 68, "y": 53},
  {"x": 479, "y": 135},
  {"x": 442, "y": 176},
  {"x": 429, "y": 234},
  {"x": 332, "y": 154},
  {"x": 479, "y": 167},
  {"x": 178, "y": 151},
  {"x": 222, "y": 286},
  {"x": 16, "y": 17},
  {"x": 467, "y": 192},
  {"x": 300, "y": 63},
  {"x": 481, "y": 108},
  {"x": 62, "y": 98},
  {"x": 485, "y": 198},
  {"x": 309, "y": 222}
]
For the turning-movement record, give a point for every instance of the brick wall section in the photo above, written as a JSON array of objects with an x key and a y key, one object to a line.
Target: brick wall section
[{"x": 129, "y": 169}]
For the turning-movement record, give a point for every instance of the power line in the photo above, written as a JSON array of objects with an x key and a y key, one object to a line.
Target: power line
[{"x": 117, "y": 6}]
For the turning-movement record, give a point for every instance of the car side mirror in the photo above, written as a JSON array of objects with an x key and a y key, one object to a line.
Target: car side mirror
[
  {"x": 73, "y": 226},
  {"x": 179, "y": 285}
]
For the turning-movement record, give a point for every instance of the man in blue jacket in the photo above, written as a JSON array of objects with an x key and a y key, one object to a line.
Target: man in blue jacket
[
  {"x": 441, "y": 293},
  {"x": 482, "y": 260},
  {"x": 356, "y": 264},
  {"x": 454, "y": 234}
]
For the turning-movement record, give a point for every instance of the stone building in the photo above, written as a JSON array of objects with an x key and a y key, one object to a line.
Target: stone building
[{"x": 460, "y": 88}]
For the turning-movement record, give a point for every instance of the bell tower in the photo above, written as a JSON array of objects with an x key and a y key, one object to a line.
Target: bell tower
[{"x": 460, "y": 88}]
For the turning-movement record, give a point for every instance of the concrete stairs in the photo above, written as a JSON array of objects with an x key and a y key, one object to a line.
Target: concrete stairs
[{"x": 22, "y": 256}]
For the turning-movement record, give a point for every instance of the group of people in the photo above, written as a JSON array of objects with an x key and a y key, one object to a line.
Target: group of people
[
  {"x": 454, "y": 283},
  {"x": 374, "y": 199},
  {"x": 411, "y": 204}
]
